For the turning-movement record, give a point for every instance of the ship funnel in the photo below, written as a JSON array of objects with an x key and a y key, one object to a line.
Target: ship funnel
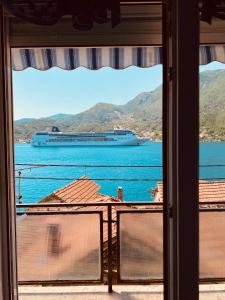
[{"x": 55, "y": 129}]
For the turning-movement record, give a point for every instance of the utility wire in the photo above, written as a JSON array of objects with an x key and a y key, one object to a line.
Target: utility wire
[
  {"x": 100, "y": 166},
  {"x": 87, "y": 179},
  {"x": 89, "y": 166}
]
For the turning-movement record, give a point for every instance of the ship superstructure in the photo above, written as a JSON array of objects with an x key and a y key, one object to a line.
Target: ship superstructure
[{"x": 107, "y": 138}]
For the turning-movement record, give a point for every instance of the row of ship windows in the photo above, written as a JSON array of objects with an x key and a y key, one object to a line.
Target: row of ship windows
[
  {"x": 79, "y": 140},
  {"x": 88, "y": 134}
]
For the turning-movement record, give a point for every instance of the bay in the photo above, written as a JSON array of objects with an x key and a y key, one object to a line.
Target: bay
[{"x": 137, "y": 183}]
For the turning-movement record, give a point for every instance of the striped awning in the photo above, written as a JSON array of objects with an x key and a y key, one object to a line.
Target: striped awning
[{"x": 96, "y": 58}]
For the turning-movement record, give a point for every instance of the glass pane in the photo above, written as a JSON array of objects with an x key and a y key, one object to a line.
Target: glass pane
[
  {"x": 212, "y": 168},
  {"x": 58, "y": 247},
  {"x": 141, "y": 246},
  {"x": 212, "y": 244}
]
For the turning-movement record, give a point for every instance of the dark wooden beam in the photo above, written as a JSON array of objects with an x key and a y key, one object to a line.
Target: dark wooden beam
[
  {"x": 181, "y": 114},
  {"x": 8, "y": 277}
]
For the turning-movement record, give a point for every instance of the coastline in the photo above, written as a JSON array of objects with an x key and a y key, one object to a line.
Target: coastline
[{"x": 149, "y": 141}]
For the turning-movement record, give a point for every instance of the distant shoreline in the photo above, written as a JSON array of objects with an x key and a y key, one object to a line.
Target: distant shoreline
[{"x": 156, "y": 141}]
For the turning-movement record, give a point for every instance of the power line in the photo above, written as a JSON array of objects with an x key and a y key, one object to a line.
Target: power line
[
  {"x": 212, "y": 179},
  {"x": 87, "y": 179},
  {"x": 88, "y": 166},
  {"x": 101, "y": 166}
]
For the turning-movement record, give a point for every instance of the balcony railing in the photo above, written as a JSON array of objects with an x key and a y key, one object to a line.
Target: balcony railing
[
  {"x": 109, "y": 243},
  {"x": 88, "y": 242}
]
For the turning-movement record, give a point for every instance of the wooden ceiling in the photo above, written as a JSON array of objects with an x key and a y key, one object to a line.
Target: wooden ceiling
[{"x": 140, "y": 25}]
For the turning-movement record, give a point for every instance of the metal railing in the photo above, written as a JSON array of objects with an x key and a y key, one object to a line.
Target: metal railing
[
  {"x": 142, "y": 235},
  {"x": 113, "y": 248},
  {"x": 112, "y": 235}
]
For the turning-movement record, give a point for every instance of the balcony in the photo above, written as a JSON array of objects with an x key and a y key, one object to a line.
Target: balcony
[
  {"x": 77, "y": 243},
  {"x": 152, "y": 292},
  {"x": 74, "y": 250}
]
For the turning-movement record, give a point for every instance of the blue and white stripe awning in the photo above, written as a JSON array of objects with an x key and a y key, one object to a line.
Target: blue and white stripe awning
[
  {"x": 96, "y": 58},
  {"x": 208, "y": 54},
  {"x": 91, "y": 58}
]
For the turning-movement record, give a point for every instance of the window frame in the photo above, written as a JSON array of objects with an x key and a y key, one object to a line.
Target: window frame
[{"x": 180, "y": 169}]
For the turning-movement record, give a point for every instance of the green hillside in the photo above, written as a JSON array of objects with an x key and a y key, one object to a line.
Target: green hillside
[
  {"x": 142, "y": 114},
  {"x": 212, "y": 105}
]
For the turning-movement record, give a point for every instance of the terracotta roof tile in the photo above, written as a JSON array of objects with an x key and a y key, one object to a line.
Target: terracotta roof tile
[
  {"x": 208, "y": 191},
  {"x": 81, "y": 190}
]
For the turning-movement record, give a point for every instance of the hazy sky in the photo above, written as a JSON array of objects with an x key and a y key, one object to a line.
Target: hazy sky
[{"x": 44, "y": 93}]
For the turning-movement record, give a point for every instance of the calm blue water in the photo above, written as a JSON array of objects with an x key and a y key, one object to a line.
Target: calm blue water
[{"x": 148, "y": 154}]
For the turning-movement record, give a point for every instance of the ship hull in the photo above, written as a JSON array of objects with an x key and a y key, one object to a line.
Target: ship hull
[
  {"x": 86, "y": 144},
  {"x": 110, "y": 138}
]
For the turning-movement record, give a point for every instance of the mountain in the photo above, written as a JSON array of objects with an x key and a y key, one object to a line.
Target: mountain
[
  {"x": 102, "y": 116},
  {"x": 60, "y": 116},
  {"x": 24, "y": 120},
  {"x": 143, "y": 114},
  {"x": 212, "y": 103}
]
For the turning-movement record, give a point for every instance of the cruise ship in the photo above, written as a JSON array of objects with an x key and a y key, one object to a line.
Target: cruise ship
[{"x": 116, "y": 137}]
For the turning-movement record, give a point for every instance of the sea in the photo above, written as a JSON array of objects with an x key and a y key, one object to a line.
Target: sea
[{"x": 136, "y": 169}]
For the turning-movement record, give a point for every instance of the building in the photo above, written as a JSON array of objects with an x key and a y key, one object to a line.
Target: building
[{"x": 211, "y": 191}]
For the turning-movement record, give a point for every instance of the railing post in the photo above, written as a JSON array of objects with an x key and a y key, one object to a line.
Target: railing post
[
  {"x": 19, "y": 188},
  {"x": 110, "y": 248}
]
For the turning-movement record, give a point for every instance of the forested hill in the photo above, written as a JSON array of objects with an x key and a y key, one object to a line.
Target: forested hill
[{"x": 142, "y": 114}]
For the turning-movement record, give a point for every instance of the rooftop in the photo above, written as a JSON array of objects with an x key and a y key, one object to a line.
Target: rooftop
[
  {"x": 81, "y": 190},
  {"x": 208, "y": 191}
]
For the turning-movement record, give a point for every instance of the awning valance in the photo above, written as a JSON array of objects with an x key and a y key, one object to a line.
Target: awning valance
[
  {"x": 91, "y": 58},
  {"x": 96, "y": 58},
  {"x": 210, "y": 53}
]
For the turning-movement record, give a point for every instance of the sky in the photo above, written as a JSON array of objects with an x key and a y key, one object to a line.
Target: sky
[{"x": 44, "y": 93}]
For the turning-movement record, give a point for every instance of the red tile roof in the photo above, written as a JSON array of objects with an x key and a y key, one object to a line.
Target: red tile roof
[
  {"x": 81, "y": 190},
  {"x": 208, "y": 191}
]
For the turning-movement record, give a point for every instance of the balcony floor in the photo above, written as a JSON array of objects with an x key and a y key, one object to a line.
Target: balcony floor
[{"x": 128, "y": 292}]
